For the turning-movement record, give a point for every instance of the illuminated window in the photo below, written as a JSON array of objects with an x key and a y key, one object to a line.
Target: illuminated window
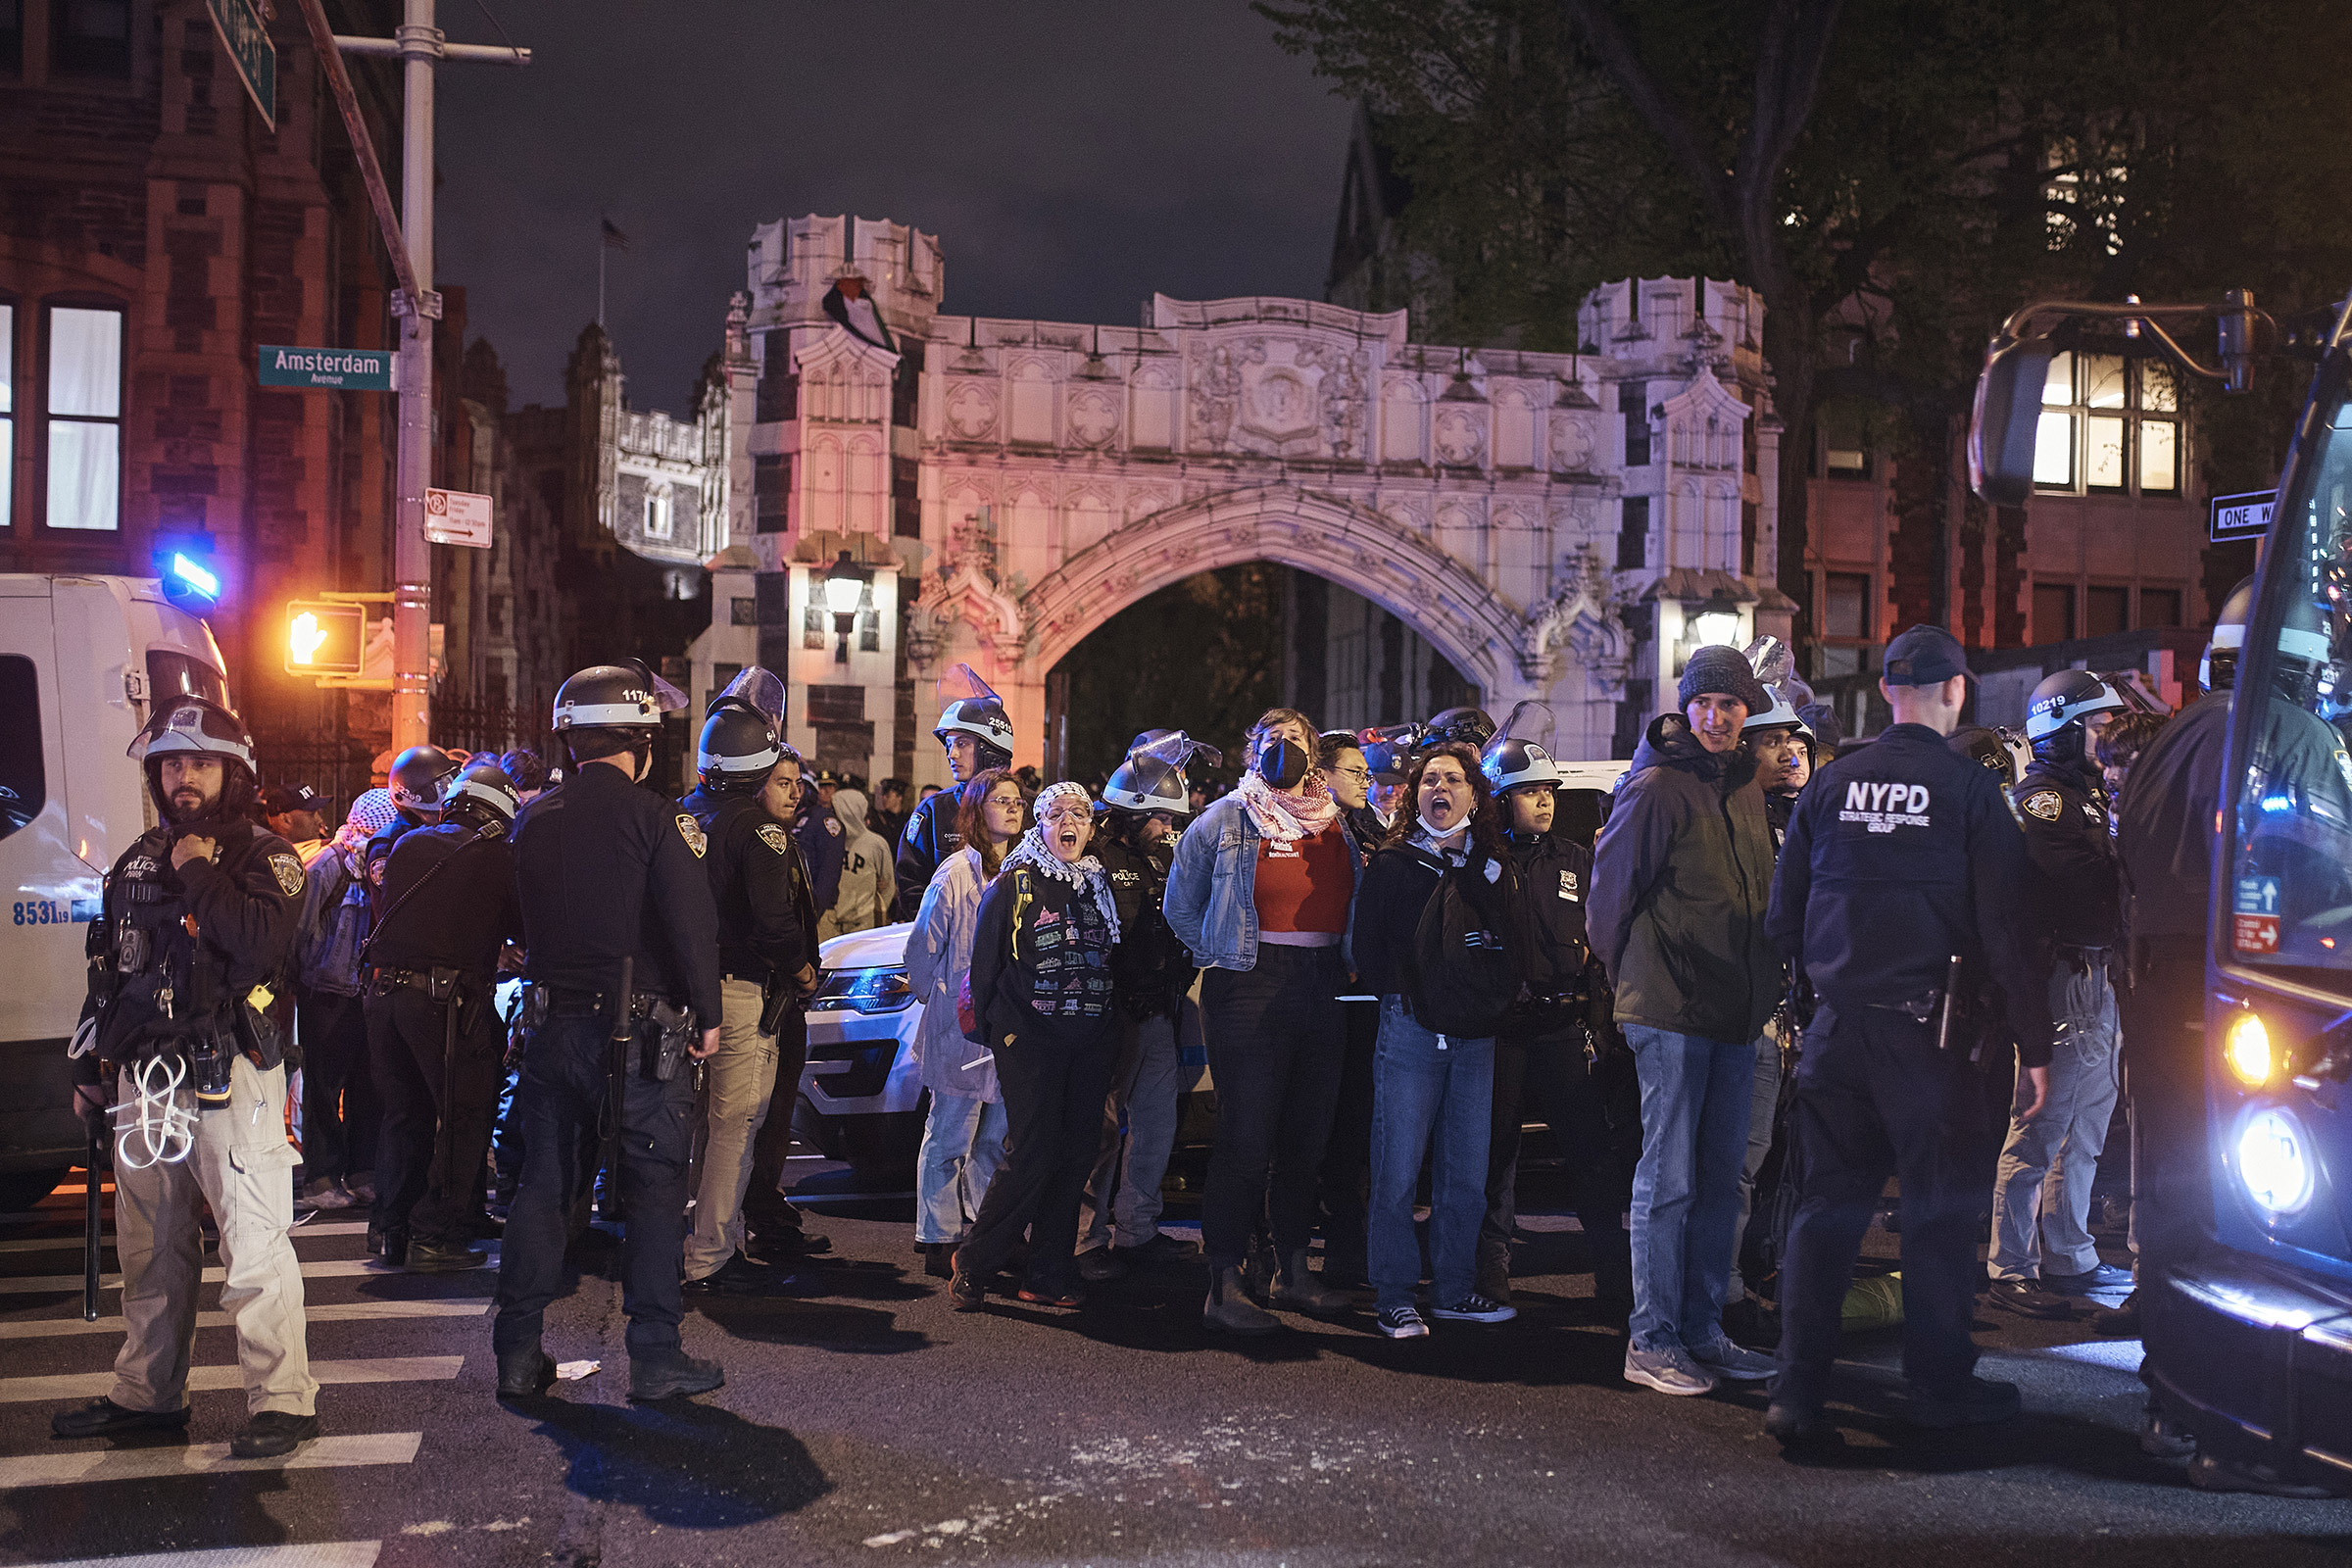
[
  {"x": 84, "y": 409},
  {"x": 657, "y": 511}
]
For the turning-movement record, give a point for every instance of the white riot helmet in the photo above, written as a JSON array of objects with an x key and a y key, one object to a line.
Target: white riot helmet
[
  {"x": 1152, "y": 778},
  {"x": 969, "y": 707}
]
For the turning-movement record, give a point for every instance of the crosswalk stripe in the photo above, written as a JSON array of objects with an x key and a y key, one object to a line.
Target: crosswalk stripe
[
  {"x": 332, "y": 1268},
  {"x": 314, "y": 1311},
  {"x": 209, "y": 1379},
  {"x": 319, "y": 1554},
  {"x": 150, "y": 1464}
]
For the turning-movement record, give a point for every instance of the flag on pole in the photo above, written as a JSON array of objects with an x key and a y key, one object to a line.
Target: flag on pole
[{"x": 614, "y": 240}]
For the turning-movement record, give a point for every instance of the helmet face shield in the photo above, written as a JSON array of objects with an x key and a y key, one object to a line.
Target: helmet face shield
[
  {"x": 759, "y": 689},
  {"x": 191, "y": 726}
]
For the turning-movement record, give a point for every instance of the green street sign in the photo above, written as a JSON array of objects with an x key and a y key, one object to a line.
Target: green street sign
[
  {"x": 247, "y": 39},
  {"x": 342, "y": 369}
]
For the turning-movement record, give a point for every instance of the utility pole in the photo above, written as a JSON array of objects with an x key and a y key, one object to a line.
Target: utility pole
[{"x": 420, "y": 47}]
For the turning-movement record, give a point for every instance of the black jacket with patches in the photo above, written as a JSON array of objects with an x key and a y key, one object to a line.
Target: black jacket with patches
[
  {"x": 759, "y": 885},
  {"x": 930, "y": 837},
  {"x": 176, "y": 953},
  {"x": 2074, "y": 891},
  {"x": 607, "y": 870},
  {"x": 1899, "y": 856},
  {"x": 1149, "y": 969},
  {"x": 462, "y": 917},
  {"x": 1041, "y": 960}
]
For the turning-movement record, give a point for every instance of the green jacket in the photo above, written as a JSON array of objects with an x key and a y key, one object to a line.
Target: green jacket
[{"x": 1681, "y": 876}]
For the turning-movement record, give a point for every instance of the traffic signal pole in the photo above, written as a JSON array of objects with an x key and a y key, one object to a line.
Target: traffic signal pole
[{"x": 420, "y": 47}]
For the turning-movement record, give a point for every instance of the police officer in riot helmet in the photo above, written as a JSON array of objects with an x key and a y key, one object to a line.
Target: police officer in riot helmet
[
  {"x": 1781, "y": 744},
  {"x": 2072, "y": 904},
  {"x": 976, "y": 736},
  {"x": 1467, "y": 726},
  {"x": 1545, "y": 1051},
  {"x": 1143, "y": 800},
  {"x": 415, "y": 782},
  {"x": 749, "y": 789},
  {"x": 192, "y": 936},
  {"x": 624, "y": 983},
  {"x": 1900, "y": 855},
  {"x": 447, "y": 909}
]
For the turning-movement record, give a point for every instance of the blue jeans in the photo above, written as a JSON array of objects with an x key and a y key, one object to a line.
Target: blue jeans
[
  {"x": 963, "y": 1143},
  {"x": 1423, "y": 1085},
  {"x": 1696, "y": 1096}
]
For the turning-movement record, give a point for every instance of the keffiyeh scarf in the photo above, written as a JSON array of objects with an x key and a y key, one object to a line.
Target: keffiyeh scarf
[
  {"x": 1285, "y": 819},
  {"x": 1085, "y": 873}
]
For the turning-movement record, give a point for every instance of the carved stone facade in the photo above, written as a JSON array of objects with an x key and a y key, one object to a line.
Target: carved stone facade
[{"x": 1553, "y": 524}]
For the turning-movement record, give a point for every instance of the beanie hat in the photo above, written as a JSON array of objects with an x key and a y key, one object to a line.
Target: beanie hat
[{"x": 1721, "y": 670}]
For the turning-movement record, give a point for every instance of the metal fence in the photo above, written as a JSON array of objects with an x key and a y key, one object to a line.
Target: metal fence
[{"x": 328, "y": 761}]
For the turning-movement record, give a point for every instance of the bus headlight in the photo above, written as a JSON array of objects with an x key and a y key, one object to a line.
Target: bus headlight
[
  {"x": 2246, "y": 1047},
  {"x": 2275, "y": 1162}
]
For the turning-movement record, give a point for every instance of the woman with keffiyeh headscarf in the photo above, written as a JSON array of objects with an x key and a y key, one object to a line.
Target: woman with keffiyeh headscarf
[{"x": 1041, "y": 1002}]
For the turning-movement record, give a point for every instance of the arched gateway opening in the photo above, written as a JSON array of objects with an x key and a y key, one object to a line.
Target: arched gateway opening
[{"x": 1317, "y": 558}]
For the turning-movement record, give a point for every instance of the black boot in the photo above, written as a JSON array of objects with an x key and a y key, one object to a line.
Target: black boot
[
  {"x": 1229, "y": 1309},
  {"x": 1297, "y": 1287},
  {"x": 388, "y": 1244},
  {"x": 104, "y": 1418},
  {"x": 525, "y": 1374},
  {"x": 938, "y": 1259}
]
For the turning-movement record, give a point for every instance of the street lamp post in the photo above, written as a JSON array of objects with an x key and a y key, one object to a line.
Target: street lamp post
[{"x": 844, "y": 587}]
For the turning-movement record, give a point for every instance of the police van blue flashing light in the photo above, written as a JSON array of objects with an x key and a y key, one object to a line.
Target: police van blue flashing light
[{"x": 189, "y": 582}]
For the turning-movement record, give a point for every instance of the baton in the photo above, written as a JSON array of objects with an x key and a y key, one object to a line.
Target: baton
[
  {"x": 89, "y": 1230},
  {"x": 1951, "y": 988}
]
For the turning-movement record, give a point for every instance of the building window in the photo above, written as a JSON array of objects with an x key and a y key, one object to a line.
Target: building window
[
  {"x": 84, "y": 417},
  {"x": 2160, "y": 606},
  {"x": 2109, "y": 426},
  {"x": 1845, "y": 445},
  {"x": 2106, "y": 610},
  {"x": 1632, "y": 401},
  {"x": 91, "y": 37},
  {"x": 657, "y": 511},
  {"x": 2053, "y": 611},
  {"x": 1633, "y": 533},
  {"x": 1846, "y": 606}
]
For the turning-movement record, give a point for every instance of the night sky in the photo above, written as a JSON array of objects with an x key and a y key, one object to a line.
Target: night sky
[{"x": 1072, "y": 158}]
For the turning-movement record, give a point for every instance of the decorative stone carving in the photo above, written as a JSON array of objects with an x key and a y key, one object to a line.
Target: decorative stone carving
[
  {"x": 1282, "y": 406},
  {"x": 1571, "y": 443},
  {"x": 1461, "y": 437},
  {"x": 1581, "y": 615},
  {"x": 1343, "y": 407},
  {"x": 1094, "y": 417},
  {"x": 973, "y": 410},
  {"x": 1216, "y": 394}
]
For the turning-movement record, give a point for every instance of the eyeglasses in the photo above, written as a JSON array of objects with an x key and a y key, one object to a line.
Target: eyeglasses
[
  {"x": 1068, "y": 813},
  {"x": 1362, "y": 775}
]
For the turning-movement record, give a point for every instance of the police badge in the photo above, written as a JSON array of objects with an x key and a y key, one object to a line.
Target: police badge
[
  {"x": 2044, "y": 804},
  {"x": 288, "y": 872},
  {"x": 692, "y": 832}
]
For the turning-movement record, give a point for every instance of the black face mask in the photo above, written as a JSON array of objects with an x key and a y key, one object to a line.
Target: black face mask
[{"x": 1282, "y": 765}]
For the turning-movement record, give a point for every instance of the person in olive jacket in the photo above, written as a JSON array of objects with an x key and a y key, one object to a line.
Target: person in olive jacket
[{"x": 1681, "y": 876}]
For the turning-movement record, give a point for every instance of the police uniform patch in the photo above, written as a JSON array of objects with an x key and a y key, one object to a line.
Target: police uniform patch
[
  {"x": 288, "y": 870},
  {"x": 773, "y": 835},
  {"x": 1568, "y": 887},
  {"x": 692, "y": 832},
  {"x": 833, "y": 825},
  {"x": 2044, "y": 804}
]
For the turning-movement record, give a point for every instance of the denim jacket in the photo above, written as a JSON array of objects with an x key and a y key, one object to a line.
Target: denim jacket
[{"x": 1212, "y": 899}]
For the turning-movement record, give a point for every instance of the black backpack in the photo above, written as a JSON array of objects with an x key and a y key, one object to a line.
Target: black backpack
[{"x": 1466, "y": 973}]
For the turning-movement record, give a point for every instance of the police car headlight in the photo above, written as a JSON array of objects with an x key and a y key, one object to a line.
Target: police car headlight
[
  {"x": 868, "y": 991},
  {"x": 2275, "y": 1162},
  {"x": 2246, "y": 1047}
]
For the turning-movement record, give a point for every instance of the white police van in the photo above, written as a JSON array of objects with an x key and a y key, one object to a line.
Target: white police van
[{"x": 82, "y": 659}]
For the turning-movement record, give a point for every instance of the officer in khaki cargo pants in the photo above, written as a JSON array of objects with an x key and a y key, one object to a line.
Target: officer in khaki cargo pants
[{"x": 198, "y": 917}]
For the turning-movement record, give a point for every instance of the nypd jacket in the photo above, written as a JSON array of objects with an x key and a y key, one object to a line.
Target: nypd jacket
[
  {"x": 759, "y": 885},
  {"x": 178, "y": 952},
  {"x": 1899, "y": 856},
  {"x": 823, "y": 847},
  {"x": 2074, "y": 893},
  {"x": 1149, "y": 969},
  {"x": 1681, "y": 877},
  {"x": 607, "y": 870},
  {"x": 929, "y": 839}
]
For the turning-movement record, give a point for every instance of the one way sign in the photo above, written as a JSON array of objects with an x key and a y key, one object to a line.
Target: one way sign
[{"x": 2245, "y": 516}]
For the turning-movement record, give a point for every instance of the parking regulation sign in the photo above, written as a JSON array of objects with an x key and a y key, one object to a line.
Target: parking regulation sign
[
  {"x": 2255, "y": 914},
  {"x": 457, "y": 517}
]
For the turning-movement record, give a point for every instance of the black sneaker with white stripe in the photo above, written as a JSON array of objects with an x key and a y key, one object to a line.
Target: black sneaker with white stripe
[
  {"x": 1476, "y": 1309},
  {"x": 1402, "y": 1323}
]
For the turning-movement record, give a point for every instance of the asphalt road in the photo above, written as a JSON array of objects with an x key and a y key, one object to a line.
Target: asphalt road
[{"x": 865, "y": 1423}]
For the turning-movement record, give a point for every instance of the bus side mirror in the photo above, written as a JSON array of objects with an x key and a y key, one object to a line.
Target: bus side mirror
[{"x": 2007, "y": 418}]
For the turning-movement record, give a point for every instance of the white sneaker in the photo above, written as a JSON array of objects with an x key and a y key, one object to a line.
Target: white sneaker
[
  {"x": 1669, "y": 1371},
  {"x": 1727, "y": 1359},
  {"x": 1402, "y": 1323}
]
